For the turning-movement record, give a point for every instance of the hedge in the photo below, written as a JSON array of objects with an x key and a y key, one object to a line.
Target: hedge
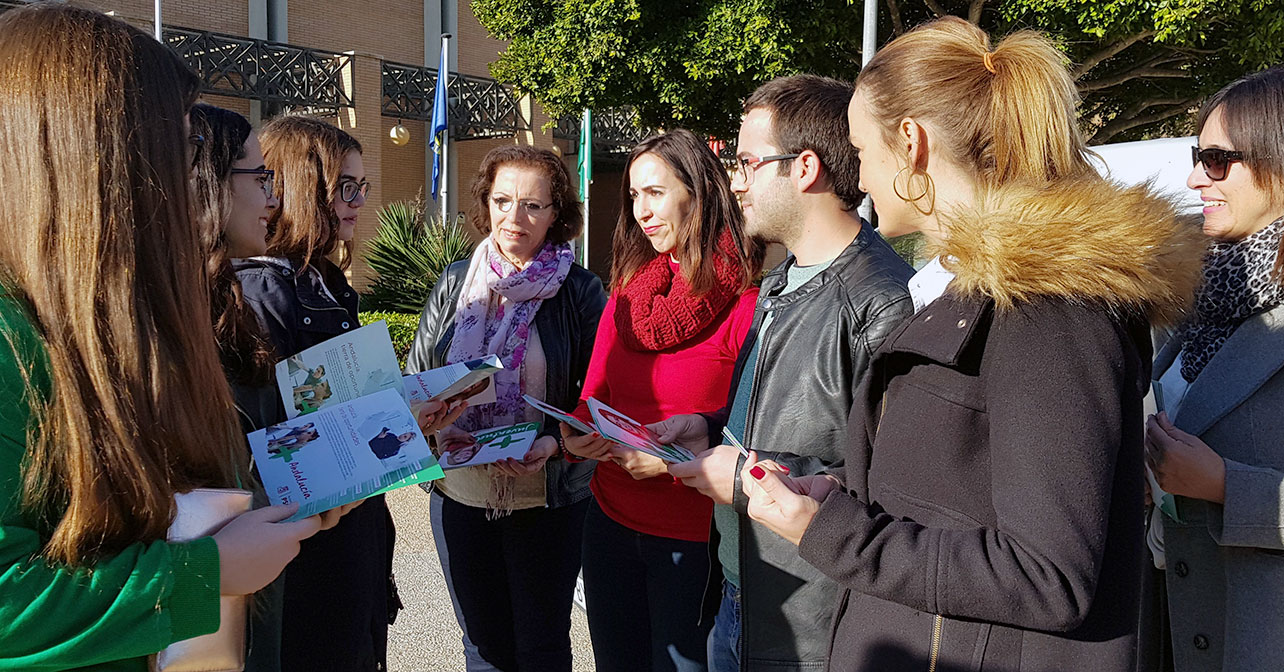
[{"x": 401, "y": 327}]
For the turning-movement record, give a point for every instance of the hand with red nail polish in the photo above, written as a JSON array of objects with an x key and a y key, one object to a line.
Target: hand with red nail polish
[
  {"x": 587, "y": 446},
  {"x": 783, "y": 504}
]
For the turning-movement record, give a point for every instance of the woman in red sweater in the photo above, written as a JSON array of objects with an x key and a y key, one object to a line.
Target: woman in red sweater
[{"x": 681, "y": 304}]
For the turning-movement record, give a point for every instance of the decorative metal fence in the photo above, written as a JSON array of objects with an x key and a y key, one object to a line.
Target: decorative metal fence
[
  {"x": 284, "y": 74},
  {"x": 479, "y": 107}
]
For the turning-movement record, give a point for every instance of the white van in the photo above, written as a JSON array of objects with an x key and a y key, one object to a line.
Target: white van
[{"x": 1165, "y": 161}]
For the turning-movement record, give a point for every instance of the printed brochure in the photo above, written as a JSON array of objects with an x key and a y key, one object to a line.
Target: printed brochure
[
  {"x": 346, "y": 367},
  {"x": 343, "y": 453},
  {"x": 617, "y": 427},
  {"x": 492, "y": 445},
  {"x": 466, "y": 381}
]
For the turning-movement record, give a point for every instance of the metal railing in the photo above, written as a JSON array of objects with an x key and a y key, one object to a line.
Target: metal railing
[
  {"x": 618, "y": 131},
  {"x": 296, "y": 77},
  {"x": 479, "y": 107}
]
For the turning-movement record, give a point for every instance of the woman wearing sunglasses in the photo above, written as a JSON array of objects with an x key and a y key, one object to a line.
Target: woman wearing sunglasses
[
  {"x": 339, "y": 597},
  {"x": 1216, "y": 444}
]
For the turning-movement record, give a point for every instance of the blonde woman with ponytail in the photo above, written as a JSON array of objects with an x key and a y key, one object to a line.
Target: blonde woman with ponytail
[
  {"x": 112, "y": 399},
  {"x": 989, "y": 516}
]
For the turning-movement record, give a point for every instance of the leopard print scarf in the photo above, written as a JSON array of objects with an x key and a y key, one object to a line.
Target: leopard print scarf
[{"x": 1238, "y": 283}]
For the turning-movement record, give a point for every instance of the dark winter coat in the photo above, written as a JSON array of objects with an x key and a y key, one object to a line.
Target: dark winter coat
[
  {"x": 992, "y": 517},
  {"x": 339, "y": 594}
]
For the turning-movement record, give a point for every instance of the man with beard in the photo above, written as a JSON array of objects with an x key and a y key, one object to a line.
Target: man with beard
[{"x": 820, "y": 316}]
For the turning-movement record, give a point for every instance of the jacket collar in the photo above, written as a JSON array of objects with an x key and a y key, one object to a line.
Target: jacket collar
[
  {"x": 942, "y": 330},
  {"x": 770, "y": 281},
  {"x": 1088, "y": 241},
  {"x": 1249, "y": 358}
]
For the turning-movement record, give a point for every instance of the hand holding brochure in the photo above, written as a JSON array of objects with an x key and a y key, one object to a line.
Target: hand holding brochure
[{"x": 617, "y": 427}]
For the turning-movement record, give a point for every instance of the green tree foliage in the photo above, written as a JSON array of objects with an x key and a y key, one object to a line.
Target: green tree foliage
[
  {"x": 1141, "y": 65},
  {"x": 409, "y": 252}
]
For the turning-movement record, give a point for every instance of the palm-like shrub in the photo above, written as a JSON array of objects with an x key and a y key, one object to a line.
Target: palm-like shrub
[{"x": 409, "y": 252}]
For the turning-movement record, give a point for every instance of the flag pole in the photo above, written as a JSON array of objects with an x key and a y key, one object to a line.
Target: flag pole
[
  {"x": 160, "y": 37},
  {"x": 445, "y": 138},
  {"x": 869, "y": 44},
  {"x": 586, "y": 178}
]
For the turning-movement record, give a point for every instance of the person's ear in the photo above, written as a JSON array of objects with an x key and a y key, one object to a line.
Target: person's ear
[
  {"x": 807, "y": 170},
  {"x": 912, "y": 136}
]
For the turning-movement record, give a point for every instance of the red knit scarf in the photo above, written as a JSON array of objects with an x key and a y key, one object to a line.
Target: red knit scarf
[{"x": 655, "y": 310}]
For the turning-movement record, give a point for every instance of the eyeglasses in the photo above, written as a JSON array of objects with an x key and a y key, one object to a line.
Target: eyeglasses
[
  {"x": 267, "y": 177},
  {"x": 746, "y": 166},
  {"x": 506, "y": 205},
  {"x": 1216, "y": 161},
  {"x": 197, "y": 141},
  {"x": 349, "y": 189}
]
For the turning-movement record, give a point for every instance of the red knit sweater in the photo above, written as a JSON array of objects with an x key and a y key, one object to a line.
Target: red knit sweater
[{"x": 651, "y": 386}]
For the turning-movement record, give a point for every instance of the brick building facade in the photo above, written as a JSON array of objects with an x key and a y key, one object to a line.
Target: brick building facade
[{"x": 373, "y": 31}]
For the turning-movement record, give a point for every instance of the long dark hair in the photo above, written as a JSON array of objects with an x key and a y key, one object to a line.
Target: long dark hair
[
  {"x": 713, "y": 211},
  {"x": 246, "y": 353},
  {"x": 101, "y": 246}
]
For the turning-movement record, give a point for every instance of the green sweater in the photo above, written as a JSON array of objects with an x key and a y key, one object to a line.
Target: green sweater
[{"x": 111, "y": 617}]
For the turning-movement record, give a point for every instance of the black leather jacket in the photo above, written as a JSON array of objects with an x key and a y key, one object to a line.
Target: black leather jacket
[
  {"x": 567, "y": 325},
  {"x": 809, "y": 365}
]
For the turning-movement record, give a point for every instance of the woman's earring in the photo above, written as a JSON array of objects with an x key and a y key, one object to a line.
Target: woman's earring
[{"x": 926, "y": 190}]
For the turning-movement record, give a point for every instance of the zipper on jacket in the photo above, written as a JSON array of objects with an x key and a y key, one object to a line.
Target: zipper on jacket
[{"x": 937, "y": 622}]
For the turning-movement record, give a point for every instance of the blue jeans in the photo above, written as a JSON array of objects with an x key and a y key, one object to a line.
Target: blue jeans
[
  {"x": 724, "y": 639},
  {"x": 643, "y": 596}
]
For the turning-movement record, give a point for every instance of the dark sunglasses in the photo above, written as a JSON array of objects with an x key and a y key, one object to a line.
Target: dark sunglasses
[{"x": 1216, "y": 161}]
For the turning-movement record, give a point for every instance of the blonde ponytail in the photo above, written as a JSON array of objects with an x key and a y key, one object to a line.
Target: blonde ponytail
[{"x": 1005, "y": 115}]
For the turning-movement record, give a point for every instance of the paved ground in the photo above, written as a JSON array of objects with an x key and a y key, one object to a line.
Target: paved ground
[{"x": 426, "y": 637}]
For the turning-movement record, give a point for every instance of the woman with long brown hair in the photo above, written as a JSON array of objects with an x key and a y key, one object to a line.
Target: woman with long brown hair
[
  {"x": 112, "y": 395},
  {"x": 339, "y": 596},
  {"x": 682, "y": 301},
  {"x": 989, "y": 515}
]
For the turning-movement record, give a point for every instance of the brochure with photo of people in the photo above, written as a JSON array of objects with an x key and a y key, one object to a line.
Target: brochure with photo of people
[
  {"x": 343, "y": 368},
  {"x": 464, "y": 381},
  {"x": 343, "y": 453},
  {"x": 617, "y": 427},
  {"x": 492, "y": 445}
]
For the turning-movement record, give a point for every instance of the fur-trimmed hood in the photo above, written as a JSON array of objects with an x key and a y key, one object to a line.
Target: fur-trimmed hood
[{"x": 1090, "y": 240}]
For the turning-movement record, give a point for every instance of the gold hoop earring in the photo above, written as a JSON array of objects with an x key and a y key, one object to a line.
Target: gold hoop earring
[{"x": 928, "y": 191}]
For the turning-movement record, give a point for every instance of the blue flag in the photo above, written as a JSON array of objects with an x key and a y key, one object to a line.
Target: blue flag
[{"x": 439, "y": 123}]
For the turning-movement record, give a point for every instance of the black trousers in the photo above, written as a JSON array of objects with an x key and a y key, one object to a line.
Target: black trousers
[
  {"x": 644, "y": 596},
  {"x": 514, "y": 578}
]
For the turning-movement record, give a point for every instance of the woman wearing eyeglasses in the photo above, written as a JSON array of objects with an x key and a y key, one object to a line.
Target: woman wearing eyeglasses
[
  {"x": 1216, "y": 445},
  {"x": 508, "y": 534},
  {"x": 234, "y": 201},
  {"x": 339, "y": 596}
]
